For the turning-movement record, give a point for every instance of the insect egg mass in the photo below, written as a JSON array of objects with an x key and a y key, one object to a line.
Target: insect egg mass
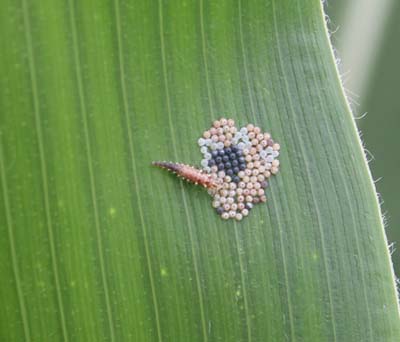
[{"x": 235, "y": 168}]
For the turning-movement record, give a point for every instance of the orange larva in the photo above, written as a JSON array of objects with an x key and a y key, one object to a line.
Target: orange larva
[{"x": 189, "y": 173}]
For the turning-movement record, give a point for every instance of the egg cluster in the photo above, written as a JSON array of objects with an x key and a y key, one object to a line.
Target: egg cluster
[{"x": 241, "y": 162}]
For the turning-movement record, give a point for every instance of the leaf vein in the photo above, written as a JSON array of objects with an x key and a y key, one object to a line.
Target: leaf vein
[
  {"x": 93, "y": 191},
  {"x": 185, "y": 205},
  {"x": 11, "y": 240},
  {"x": 43, "y": 168},
  {"x": 205, "y": 59},
  {"x": 245, "y": 67},
  {"x": 316, "y": 207},
  {"x": 135, "y": 177}
]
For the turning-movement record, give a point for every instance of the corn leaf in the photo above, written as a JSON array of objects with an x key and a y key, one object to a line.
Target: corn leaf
[{"x": 97, "y": 245}]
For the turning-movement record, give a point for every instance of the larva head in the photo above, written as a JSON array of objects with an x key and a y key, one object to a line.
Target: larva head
[{"x": 212, "y": 184}]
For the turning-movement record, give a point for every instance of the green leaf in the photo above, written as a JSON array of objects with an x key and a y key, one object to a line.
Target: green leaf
[{"x": 97, "y": 245}]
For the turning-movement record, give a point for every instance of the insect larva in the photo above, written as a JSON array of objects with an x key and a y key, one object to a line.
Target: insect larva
[{"x": 190, "y": 173}]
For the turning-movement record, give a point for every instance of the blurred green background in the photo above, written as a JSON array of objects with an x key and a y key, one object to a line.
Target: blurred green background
[{"x": 365, "y": 34}]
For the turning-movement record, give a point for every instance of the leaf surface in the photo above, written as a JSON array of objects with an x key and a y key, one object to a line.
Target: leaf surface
[{"x": 96, "y": 245}]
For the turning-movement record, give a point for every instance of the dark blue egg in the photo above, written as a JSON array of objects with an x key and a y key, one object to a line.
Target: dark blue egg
[
  {"x": 214, "y": 153},
  {"x": 220, "y": 210}
]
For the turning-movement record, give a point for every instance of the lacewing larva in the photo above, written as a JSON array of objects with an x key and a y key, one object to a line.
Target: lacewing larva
[{"x": 189, "y": 173}]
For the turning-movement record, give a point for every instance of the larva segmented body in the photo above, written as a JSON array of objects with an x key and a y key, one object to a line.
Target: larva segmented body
[{"x": 190, "y": 173}]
